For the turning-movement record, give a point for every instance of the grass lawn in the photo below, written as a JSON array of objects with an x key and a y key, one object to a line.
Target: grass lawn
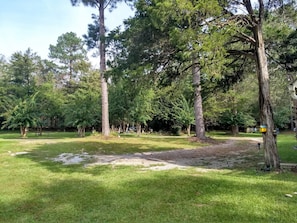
[{"x": 36, "y": 189}]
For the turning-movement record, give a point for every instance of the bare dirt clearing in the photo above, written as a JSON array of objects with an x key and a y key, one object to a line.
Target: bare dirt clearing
[{"x": 235, "y": 151}]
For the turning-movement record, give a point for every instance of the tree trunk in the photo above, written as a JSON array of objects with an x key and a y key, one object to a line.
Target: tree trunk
[
  {"x": 78, "y": 131},
  {"x": 104, "y": 89},
  {"x": 81, "y": 131},
  {"x": 234, "y": 130},
  {"x": 266, "y": 115},
  {"x": 105, "y": 114},
  {"x": 138, "y": 129},
  {"x": 199, "y": 121},
  {"x": 234, "y": 127},
  {"x": 23, "y": 131},
  {"x": 294, "y": 117},
  {"x": 39, "y": 131},
  {"x": 189, "y": 130}
]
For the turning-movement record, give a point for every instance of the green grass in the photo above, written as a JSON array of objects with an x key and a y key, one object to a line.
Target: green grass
[
  {"x": 34, "y": 135},
  {"x": 286, "y": 142},
  {"x": 221, "y": 134},
  {"x": 35, "y": 189}
]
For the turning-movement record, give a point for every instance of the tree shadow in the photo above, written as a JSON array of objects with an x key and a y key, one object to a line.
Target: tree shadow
[
  {"x": 155, "y": 197},
  {"x": 36, "y": 135},
  {"x": 45, "y": 151}
]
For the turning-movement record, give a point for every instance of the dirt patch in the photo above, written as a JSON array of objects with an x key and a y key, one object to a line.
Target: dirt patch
[{"x": 233, "y": 152}]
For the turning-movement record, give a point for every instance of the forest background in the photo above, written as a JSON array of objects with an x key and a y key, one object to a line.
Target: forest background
[{"x": 150, "y": 72}]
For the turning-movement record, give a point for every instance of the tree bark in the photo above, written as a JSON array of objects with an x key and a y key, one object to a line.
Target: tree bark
[
  {"x": 294, "y": 116},
  {"x": 234, "y": 130},
  {"x": 81, "y": 131},
  {"x": 255, "y": 20},
  {"x": 39, "y": 130},
  {"x": 23, "y": 131},
  {"x": 189, "y": 130},
  {"x": 78, "y": 131},
  {"x": 104, "y": 88},
  {"x": 138, "y": 129},
  {"x": 234, "y": 127},
  {"x": 266, "y": 114},
  {"x": 199, "y": 120}
]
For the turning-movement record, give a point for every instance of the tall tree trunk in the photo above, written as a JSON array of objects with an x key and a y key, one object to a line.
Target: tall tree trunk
[
  {"x": 104, "y": 89},
  {"x": 199, "y": 120},
  {"x": 266, "y": 115}
]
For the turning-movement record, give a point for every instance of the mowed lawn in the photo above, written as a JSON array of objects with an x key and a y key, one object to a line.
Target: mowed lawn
[{"x": 33, "y": 188}]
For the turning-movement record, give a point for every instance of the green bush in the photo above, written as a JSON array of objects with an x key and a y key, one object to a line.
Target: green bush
[{"x": 176, "y": 130}]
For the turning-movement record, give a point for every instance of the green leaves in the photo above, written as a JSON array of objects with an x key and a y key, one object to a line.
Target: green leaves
[
  {"x": 82, "y": 108},
  {"x": 70, "y": 53},
  {"x": 21, "y": 74},
  {"x": 230, "y": 118},
  {"x": 23, "y": 114},
  {"x": 183, "y": 111},
  {"x": 142, "y": 109}
]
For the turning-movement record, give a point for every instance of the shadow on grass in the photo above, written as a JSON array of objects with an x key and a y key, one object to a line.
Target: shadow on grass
[
  {"x": 129, "y": 196},
  {"x": 35, "y": 135},
  {"x": 288, "y": 152},
  {"x": 43, "y": 153}
]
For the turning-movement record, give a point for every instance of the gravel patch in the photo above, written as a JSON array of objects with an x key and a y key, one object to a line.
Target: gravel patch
[{"x": 219, "y": 156}]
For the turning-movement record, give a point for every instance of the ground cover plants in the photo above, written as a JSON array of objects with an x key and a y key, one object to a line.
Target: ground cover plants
[{"x": 34, "y": 188}]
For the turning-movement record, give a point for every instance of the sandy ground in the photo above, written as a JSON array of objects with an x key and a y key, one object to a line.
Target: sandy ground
[{"x": 233, "y": 152}]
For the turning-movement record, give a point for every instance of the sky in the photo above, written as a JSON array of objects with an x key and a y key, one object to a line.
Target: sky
[{"x": 36, "y": 24}]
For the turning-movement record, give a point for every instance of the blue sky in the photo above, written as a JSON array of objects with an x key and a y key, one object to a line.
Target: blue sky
[{"x": 39, "y": 23}]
